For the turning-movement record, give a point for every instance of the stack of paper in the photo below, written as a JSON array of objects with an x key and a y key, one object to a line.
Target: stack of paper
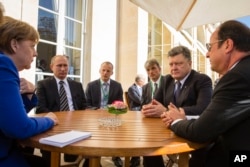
[{"x": 63, "y": 139}]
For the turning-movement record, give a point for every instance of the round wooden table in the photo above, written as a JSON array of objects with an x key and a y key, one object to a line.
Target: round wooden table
[{"x": 137, "y": 136}]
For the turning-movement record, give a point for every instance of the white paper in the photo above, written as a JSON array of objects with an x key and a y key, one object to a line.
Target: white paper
[
  {"x": 66, "y": 138},
  {"x": 192, "y": 117}
]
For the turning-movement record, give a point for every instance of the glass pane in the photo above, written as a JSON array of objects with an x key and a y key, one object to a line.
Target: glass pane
[
  {"x": 73, "y": 33},
  {"x": 74, "y": 61},
  {"x": 155, "y": 39},
  {"x": 47, "y": 25},
  {"x": 74, "y": 9},
  {"x": 49, "y": 4},
  {"x": 76, "y": 79},
  {"x": 45, "y": 53}
]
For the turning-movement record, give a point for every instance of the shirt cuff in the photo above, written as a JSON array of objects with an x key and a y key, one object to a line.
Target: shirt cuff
[
  {"x": 175, "y": 121},
  {"x": 189, "y": 117}
]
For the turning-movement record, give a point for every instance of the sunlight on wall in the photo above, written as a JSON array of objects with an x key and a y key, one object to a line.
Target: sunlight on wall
[
  {"x": 142, "y": 41},
  {"x": 104, "y": 35}
]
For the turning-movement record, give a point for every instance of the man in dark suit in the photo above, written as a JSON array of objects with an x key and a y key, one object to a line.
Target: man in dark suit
[
  {"x": 226, "y": 120},
  {"x": 135, "y": 93},
  {"x": 135, "y": 103},
  {"x": 48, "y": 94},
  {"x": 149, "y": 90},
  {"x": 104, "y": 91},
  {"x": 194, "y": 92},
  {"x": 95, "y": 91},
  {"x": 153, "y": 69}
]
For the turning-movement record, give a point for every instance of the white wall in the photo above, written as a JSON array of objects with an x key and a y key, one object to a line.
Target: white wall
[
  {"x": 103, "y": 35},
  {"x": 142, "y": 51},
  {"x": 25, "y": 10}
]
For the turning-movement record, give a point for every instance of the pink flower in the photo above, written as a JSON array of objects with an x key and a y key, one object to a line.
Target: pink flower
[{"x": 119, "y": 104}]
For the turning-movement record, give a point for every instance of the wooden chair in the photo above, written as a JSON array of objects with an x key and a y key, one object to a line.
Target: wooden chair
[
  {"x": 127, "y": 99},
  {"x": 72, "y": 164},
  {"x": 127, "y": 159}
]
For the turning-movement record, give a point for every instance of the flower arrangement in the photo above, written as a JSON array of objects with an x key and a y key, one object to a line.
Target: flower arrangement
[{"x": 117, "y": 107}]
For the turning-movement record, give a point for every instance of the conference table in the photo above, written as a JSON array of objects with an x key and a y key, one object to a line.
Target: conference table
[{"x": 137, "y": 136}]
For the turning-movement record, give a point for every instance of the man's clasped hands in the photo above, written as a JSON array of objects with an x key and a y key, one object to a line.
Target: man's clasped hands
[{"x": 169, "y": 115}]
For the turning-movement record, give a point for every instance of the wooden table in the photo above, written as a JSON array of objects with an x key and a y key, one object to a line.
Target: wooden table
[{"x": 137, "y": 136}]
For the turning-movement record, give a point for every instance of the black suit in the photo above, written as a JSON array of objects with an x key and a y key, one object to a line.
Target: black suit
[
  {"x": 134, "y": 98},
  {"x": 48, "y": 96},
  {"x": 93, "y": 93},
  {"x": 48, "y": 100},
  {"x": 226, "y": 120},
  {"x": 195, "y": 94},
  {"x": 147, "y": 91}
]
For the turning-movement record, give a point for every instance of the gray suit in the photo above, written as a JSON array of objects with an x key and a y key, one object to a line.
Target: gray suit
[
  {"x": 93, "y": 93},
  {"x": 134, "y": 98}
]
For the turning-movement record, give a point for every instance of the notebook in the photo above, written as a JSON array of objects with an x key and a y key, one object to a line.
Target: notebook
[{"x": 66, "y": 138}]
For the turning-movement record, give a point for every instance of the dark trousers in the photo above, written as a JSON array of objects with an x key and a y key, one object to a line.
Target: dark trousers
[
  {"x": 35, "y": 161},
  {"x": 153, "y": 161},
  {"x": 32, "y": 160},
  {"x": 197, "y": 159},
  {"x": 46, "y": 155},
  {"x": 28, "y": 150}
]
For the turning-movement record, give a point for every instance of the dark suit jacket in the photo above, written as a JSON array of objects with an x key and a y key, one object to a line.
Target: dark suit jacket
[
  {"x": 226, "y": 119},
  {"x": 93, "y": 93},
  {"x": 195, "y": 94},
  {"x": 134, "y": 98},
  {"x": 48, "y": 97},
  {"x": 147, "y": 91}
]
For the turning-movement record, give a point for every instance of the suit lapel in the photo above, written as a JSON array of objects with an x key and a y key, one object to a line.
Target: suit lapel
[
  {"x": 72, "y": 90},
  {"x": 55, "y": 93},
  {"x": 73, "y": 93},
  {"x": 149, "y": 92},
  {"x": 136, "y": 90},
  {"x": 111, "y": 92},
  {"x": 185, "y": 88},
  {"x": 98, "y": 90},
  {"x": 170, "y": 95}
]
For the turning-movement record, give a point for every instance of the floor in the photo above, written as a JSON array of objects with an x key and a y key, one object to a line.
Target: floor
[{"x": 105, "y": 161}]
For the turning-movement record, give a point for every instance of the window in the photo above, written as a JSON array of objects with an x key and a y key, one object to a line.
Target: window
[{"x": 60, "y": 24}]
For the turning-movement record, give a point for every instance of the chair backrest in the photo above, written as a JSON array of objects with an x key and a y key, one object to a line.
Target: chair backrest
[{"x": 127, "y": 99}]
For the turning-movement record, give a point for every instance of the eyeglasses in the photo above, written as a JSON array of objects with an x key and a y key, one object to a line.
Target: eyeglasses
[{"x": 209, "y": 45}]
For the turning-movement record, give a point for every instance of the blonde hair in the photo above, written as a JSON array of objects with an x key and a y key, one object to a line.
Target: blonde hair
[
  {"x": 1, "y": 12},
  {"x": 15, "y": 29}
]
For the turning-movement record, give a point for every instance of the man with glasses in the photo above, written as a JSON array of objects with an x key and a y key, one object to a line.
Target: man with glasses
[
  {"x": 209, "y": 45},
  {"x": 226, "y": 120}
]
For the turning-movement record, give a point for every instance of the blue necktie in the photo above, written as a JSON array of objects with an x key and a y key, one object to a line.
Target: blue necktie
[
  {"x": 140, "y": 91},
  {"x": 105, "y": 93},
  {"x": 177, "y": 91}
]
